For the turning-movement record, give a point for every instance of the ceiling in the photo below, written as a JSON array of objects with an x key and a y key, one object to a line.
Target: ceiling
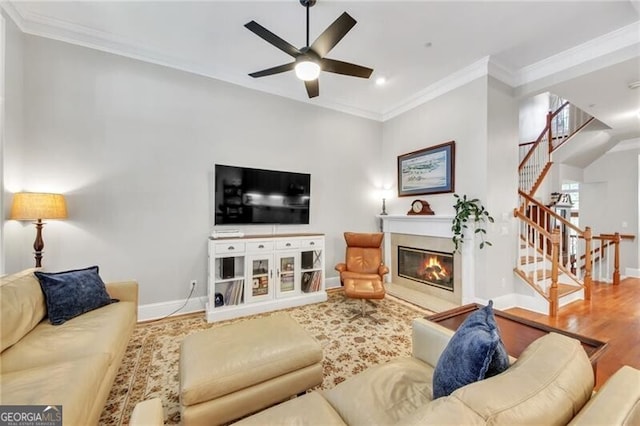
[{"x": 420, "y": 47}]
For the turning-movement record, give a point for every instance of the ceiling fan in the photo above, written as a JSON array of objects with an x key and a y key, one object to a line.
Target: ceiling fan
[{"x": 310, "y": 60}]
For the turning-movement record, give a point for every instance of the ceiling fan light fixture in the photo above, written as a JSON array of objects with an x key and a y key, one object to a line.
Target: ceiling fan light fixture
[{"x": 307, "y": 70}]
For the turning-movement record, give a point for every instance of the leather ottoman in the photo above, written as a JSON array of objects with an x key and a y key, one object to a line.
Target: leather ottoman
[{"x": 238, "y": 369}]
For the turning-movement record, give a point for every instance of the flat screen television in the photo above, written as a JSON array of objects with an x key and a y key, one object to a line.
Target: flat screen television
[{"x": 255, "y": 196}]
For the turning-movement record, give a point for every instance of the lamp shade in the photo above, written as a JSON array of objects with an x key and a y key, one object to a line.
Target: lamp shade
[{"x": 38, "y": 205}]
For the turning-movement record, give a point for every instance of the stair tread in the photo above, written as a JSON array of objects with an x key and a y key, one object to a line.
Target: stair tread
[
  {"x": 566, "y": 289},
  {"x": 524, "y": 260},
  {"x": 541, "y": 274}
]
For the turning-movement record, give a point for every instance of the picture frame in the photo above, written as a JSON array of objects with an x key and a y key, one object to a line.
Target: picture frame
[{"x": 427, "y": 171}]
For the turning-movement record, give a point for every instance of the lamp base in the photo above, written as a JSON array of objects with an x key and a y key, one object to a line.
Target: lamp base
[
  {"x": 384, "y": 208},
  {"x": 38, "y": 244}
]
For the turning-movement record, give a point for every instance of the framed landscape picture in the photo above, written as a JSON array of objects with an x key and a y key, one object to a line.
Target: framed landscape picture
[{"x": 427, "y": 171}]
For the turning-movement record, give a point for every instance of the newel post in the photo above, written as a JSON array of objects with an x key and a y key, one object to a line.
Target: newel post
[
  {"x": 616, "y": 258},
  {"x": 587, "y": 262},
  {"x": 555, "y": 255}
]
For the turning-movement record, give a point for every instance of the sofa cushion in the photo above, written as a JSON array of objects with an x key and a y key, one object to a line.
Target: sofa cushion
[
  {"x": 72, "y": 293},
  {"x": 474, "y": 352},
  {"x": 72, "y": 384},
  {"x": 22, "y": 306},
  {"x": 98, "y": 331},
  {"x": 548, "y": 384},
  {"x": 383, "y": 394},
  {"x": 443, "y": 411},
  {"x": 310, "y": 409}
]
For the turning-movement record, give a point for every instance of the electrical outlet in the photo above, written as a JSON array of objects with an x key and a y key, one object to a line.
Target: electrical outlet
[{"x": 193, "y": 284}]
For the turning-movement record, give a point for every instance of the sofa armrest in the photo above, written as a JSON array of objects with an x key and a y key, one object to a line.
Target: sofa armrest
[
  {"x": 147, "y": 413},
  {"x": 127, "y": 291},
  {"x": 429, "y": 340},
  {"x": 617, "y": 402}
]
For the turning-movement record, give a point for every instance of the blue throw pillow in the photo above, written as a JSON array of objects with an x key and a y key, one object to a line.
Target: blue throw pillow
[
  {"x": 72, "y": 293},
  {"x": 474, "y": 352}
]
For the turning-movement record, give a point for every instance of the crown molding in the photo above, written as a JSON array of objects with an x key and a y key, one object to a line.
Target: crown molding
[
  {"x": 481, "y": 68},
  {"x": 593, "y": 49},
  {"x": 614, "y": 41},
  {"x": 11, "y": 11},
  {"x": 452, "y": 81},
  {"x": 55, "y": 29}
]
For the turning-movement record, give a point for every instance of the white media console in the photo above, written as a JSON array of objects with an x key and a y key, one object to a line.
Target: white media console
[{"x": 261, "y": 273}]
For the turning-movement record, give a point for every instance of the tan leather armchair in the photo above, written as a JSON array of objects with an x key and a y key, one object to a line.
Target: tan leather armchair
[{"x": 363, "y": 270}]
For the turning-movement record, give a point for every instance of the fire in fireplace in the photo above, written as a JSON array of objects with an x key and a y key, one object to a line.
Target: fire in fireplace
[{"x": 426, "y": 266}]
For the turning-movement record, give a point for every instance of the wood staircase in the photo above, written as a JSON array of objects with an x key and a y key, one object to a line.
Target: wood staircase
[{"x": 555, "y": 257}]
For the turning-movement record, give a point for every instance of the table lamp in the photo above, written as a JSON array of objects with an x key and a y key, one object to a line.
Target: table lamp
[{"x": 37, "y": 206}]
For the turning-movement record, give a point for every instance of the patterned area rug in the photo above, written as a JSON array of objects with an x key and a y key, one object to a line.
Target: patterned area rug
[{"x": 150, "y": 365}]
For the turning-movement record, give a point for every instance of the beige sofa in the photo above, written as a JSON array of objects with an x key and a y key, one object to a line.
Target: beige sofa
[
  {"x": 550, "y": 384},
  {"x": 73, "y": 364}
]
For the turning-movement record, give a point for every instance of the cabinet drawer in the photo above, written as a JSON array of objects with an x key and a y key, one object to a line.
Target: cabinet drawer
[
  {"x": 287, "y": 244},
  {"x": 230, "y": 247},
  {"x": 260, "y": 246},
  {"x": 312, "y": 243}
]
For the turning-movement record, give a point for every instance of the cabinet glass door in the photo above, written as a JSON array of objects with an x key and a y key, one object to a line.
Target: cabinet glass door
[
  {"x": 286, "y": 274},
  {"x": 311, "y": 268},
  {"x": 260, "y": 278}
]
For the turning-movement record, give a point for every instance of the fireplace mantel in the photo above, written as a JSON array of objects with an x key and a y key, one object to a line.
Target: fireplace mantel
[
  {"x": 428, "y": 225},
  {"x": 431, "y": 226}
]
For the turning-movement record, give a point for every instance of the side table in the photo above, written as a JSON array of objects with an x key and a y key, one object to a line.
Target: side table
[{"x": 518, "y": 333}]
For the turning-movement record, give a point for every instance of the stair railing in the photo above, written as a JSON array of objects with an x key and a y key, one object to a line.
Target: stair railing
[
  {"x": 536, "y": 218},
  {"x": 606, "y": 257},
  {"x": 539, "y": 247},
  {"x": 562, "y": 124}
]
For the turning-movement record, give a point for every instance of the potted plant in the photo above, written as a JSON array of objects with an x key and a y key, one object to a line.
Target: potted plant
[{"x": 469, "y": 210}]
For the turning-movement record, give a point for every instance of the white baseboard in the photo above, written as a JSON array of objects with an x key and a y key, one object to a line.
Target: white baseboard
[
  {"x": 533, "y": 303},
  {"x": 503, "y": 302},
  {"x": 632, "y": 272},
  {"x": 158, "y": 310},
  {"x": 333, "y": 282}
]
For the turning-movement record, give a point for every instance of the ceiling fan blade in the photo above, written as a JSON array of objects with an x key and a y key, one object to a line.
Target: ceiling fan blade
[
  {"x": 273, "y": 39},
  {"x": 313, "y": 88},
  {"x": 274, "y": 70},
  {"x": 333, "y": 34},
  {"x": 345, "y": 68}
]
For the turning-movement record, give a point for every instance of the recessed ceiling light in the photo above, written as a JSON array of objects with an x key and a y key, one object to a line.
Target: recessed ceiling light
[{"x": 380, "y": 81}]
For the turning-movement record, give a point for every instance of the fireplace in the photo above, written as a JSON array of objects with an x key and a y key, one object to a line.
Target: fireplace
[
  {"x": 413, "y": 250},
  {"x": 425, "y": 266}
]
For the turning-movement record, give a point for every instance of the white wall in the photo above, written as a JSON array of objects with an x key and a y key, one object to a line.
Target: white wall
[
  {"x": 495, "y": 264},
  {"x": 12, "y": 143},
  {"x": 609, "y": 198},
  {"x": 133, "y": 145},
  {"x": 533, "y": 117},
  {"x": 459, "y": 115},
  {"x": 482, "y": 118}
]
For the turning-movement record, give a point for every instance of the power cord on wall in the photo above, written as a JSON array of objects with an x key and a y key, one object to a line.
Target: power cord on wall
[{"x": 193, "y": 287}]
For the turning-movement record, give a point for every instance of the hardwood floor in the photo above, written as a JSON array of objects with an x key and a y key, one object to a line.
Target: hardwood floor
[{"x": 612, "y": 315}]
